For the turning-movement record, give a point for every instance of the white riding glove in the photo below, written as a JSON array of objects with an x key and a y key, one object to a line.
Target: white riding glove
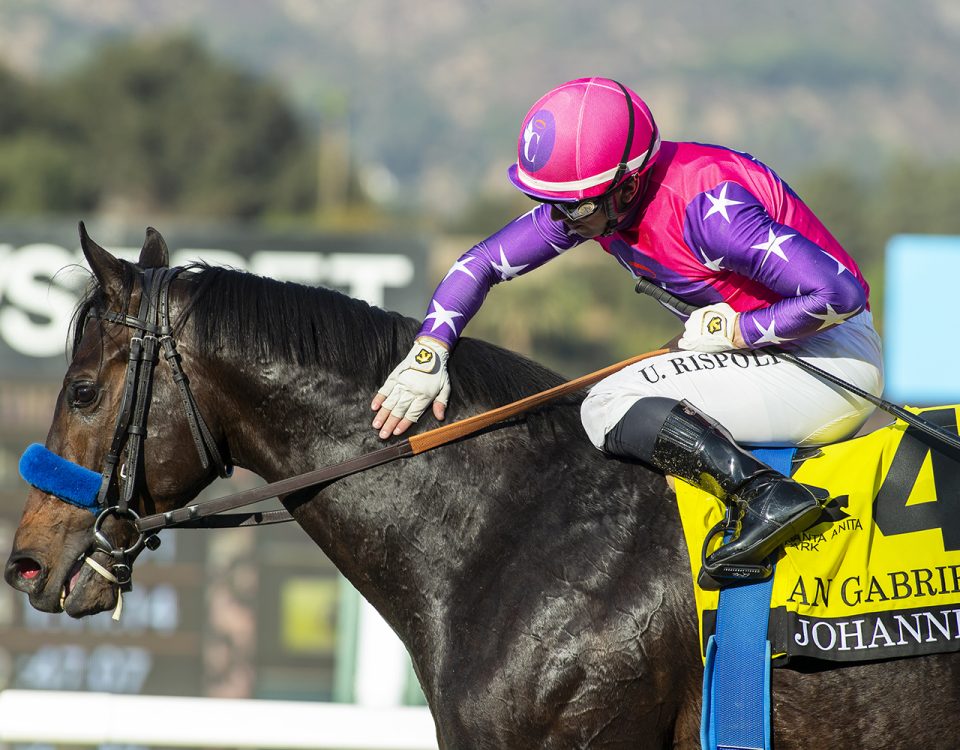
[
  {"x": 419, "y": 380},
  {"x": 711, "y": 329}
]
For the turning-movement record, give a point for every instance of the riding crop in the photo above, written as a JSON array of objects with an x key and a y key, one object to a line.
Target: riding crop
[
  {"x": 645, "y": 286},
  {"x": 205, "y": 514}
]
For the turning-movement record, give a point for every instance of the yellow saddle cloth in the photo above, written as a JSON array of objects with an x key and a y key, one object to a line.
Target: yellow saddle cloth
[{"x": 879, "y": 575}]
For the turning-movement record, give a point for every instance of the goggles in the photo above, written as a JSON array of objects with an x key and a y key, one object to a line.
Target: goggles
[{"x": 580, "y": 209}]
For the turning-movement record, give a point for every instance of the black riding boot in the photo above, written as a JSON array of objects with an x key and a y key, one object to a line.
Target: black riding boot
[{"x": 768, "y": 507}]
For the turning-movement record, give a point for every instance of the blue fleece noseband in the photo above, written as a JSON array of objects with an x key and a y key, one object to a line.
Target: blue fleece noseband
[{"x": 50, "y": 473}]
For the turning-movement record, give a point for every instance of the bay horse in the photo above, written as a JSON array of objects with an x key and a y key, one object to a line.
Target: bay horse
[{"x": 541, "y": 587}]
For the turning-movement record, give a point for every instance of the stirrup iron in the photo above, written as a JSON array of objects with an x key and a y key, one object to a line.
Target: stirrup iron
[{"x": 715, "y": 577}]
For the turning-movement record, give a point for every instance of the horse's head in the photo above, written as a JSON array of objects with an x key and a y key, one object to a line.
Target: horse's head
[{"x": 121, "y": 443}]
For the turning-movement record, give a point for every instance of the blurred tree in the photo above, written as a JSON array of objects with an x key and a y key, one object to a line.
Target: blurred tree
[
  {"x": 165, "y": 127},
  {"x": 918, "y": 198},
  {"x": 39, "y": 173},
  {"x": 19, "y": 104},
  {"x": 907, "y": 196},
  {"x": 837, "y": 196}
]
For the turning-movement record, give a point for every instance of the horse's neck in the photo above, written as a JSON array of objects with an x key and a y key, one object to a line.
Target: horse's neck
[
  {"x": 478, "y": 540},
  {"x": 287, "y": 420},
  {"x": 375, "y": 525}
]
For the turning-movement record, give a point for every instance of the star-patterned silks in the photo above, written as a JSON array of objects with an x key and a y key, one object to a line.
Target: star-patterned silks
[
  {"x": 772, "y": 245},
  {"x": 528, "y": 213},
  {"x": 832, "y": 317},
  {"x": 768, "y": 335},
  {"x": 461, "y": 267},
  {"x": 504, "y": 268},
  {"x": 443, "y": 317},
  {"x": 720, "y": 203},
  {"x": 840, "y": 267},
  {"x": 704, "y": 234},
  {"x": 559, "y": 249},
  {"x": 714, "y": 264}
]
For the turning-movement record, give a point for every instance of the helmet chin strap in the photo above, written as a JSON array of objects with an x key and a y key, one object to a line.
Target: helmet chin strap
[
  {"x": 614, "y": 219},
  {"x": 608, "y": 200}
]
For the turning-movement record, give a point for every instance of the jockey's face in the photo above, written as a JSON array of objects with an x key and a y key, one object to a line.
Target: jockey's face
[{"x": 595, "y": 224}]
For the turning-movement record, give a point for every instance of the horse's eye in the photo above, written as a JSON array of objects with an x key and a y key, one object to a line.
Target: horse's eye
[{"x": 82, "y": 394}]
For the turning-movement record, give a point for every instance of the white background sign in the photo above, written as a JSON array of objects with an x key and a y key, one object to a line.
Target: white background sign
[{"x": 40, "y": 283}]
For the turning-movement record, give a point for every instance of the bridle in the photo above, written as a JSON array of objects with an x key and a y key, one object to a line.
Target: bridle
[{"x": 152, "y": 333}]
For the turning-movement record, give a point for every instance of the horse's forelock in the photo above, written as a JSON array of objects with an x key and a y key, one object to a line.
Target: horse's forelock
[{"x": 96, "y": 301}]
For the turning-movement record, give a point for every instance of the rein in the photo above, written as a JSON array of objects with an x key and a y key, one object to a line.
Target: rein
[
  {"x": 115, "y": 486},
  {"x": 207, "y": 514}
]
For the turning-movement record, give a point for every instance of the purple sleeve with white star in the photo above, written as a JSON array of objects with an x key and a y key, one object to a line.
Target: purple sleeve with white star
[
  {"x": 524, "y": 244},
  {"x": 735, "y": 230}
]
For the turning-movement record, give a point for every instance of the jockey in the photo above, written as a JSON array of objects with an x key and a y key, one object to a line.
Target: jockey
[{"x": 723, "y": 232}]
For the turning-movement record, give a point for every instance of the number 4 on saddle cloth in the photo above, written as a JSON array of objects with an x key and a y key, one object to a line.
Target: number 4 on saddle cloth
[{"x": 879, "y": 575}]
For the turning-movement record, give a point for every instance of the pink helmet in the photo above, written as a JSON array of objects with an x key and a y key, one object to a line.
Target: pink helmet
[{"x": 581, "y": 139}]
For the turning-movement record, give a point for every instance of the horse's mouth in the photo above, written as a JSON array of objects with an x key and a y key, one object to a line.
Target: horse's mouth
[
  {"x": 70, "y": 581},
  {"x": 88, "y": 588}
]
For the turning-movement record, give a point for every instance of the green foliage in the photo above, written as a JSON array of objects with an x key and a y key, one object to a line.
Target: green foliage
[
  {"x": 19, "y": 109},
  {"x": 155, "y": 125},
  {"x": 908, "y": 196},
  {"x": 160, "y": 126},
  {"x": 37, "y": 173}
]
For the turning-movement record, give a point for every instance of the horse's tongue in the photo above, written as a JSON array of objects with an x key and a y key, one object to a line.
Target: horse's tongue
[{"x": 72, "y": 581}]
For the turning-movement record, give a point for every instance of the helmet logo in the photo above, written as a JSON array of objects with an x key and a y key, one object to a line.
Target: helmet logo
[{"x": 538, "y": 138}]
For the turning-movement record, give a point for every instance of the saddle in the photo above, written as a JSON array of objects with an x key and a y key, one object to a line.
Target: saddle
[{"x": 879, "y": 575}]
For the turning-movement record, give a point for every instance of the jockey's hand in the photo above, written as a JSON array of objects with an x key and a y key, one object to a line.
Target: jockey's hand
[
  {"x": 714, "y": 328},
  {"x": 421, "y": 378}
]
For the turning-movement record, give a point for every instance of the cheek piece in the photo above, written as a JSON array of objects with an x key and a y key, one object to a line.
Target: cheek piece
[{"x": 57, "y": 476}]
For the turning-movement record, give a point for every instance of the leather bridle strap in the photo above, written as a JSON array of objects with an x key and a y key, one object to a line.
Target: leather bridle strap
[
  {"x": 203, "y": 439},
  {"x": 151, "y": 327},
  {"x": 205, "y": 514},
  {"x": 154, "y": 282},
  {"x": 124, "y": 427}
]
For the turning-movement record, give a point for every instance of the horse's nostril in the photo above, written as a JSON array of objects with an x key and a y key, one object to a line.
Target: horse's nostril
[
  {"x": 23, "y": 573},
  {"x": 28, "y": 569}
]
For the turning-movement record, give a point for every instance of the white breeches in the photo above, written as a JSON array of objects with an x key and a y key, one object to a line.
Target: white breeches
[{"x": 761, "y": 400}]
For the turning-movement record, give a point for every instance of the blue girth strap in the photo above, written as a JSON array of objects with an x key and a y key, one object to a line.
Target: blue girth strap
[
  {"x": 50, "y": 473},
  {"x": 736, "y": 676}
]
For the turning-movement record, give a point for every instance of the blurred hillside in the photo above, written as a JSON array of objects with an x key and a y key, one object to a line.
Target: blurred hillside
[
  {"x": 402, "y": 116},
  {"x": 431, "y": 91}
]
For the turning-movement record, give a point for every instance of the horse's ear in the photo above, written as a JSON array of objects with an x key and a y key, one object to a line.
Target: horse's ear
[
  {"x": 107, "y": 269},
  {"x": 154, "y": 253}
]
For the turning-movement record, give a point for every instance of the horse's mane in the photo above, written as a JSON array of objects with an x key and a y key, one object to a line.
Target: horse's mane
[
  {"x": 239, "y": 313},
  {"x": 235, "y": 312}
]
